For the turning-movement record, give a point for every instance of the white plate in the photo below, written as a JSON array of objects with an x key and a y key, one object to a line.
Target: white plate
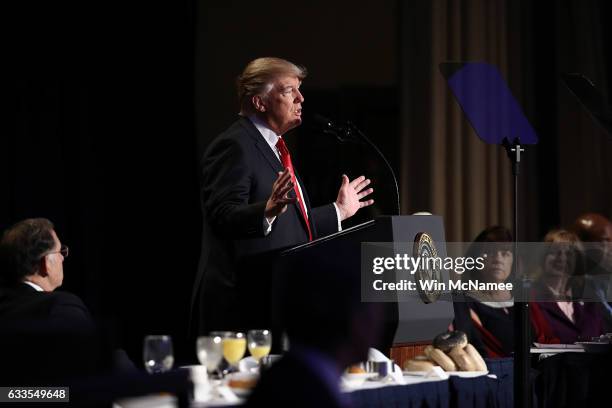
[
  {"x": 467, "y": 374},
  {"x": 595, "y": 346},
  {"x": 416, "y": 373},
  {"x": 359, "y": 376}
]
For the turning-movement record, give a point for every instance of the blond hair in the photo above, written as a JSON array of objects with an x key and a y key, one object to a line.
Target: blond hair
[
  {"x": 257, "y": 78},
  {"x": 561, "y": 236}
]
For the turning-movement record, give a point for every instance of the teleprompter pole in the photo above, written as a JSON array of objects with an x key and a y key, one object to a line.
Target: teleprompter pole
[{"x": 522, "y": 326}]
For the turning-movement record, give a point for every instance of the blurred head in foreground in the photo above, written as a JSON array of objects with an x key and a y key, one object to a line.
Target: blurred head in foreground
[{"x": 322, "y": 309}]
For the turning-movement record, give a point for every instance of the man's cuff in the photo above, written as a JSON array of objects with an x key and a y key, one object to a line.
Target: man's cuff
[
  {"x": 267, "y": 224},
  {"x": 338, "y": 216}
]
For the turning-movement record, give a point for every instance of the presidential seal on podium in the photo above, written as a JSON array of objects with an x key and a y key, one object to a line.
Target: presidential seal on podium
[{"x": 428, "y": 274}]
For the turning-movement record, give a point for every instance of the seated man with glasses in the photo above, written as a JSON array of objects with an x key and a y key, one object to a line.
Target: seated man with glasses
[{"x": 32, "y": 258}]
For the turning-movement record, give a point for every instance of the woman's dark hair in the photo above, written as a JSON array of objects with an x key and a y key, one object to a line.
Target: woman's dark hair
[
  {"x": 482, "y": 244},
  {"x": 491, "y": 234},
  {"x": 21, "y": 248}
]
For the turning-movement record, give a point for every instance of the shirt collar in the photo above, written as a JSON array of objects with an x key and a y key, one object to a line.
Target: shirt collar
[
  {"x": 268, "y": 134},
  {"x": 35, "y": 286}
]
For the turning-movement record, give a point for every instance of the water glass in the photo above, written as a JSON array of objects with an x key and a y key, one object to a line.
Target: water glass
[
  {"x": 157, "y": 353},
  {"x": 210, "y": 352}
]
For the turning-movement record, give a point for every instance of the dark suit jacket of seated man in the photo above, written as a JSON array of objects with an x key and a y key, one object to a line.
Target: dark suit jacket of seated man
[
  {"x": 62, "y": 309},
  {"x": 250, "y": 195}
]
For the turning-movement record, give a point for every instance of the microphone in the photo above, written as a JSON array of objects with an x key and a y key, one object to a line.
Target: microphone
[
  {"x": 341, "y": 131},
  {"x": 348, "y": 132}
]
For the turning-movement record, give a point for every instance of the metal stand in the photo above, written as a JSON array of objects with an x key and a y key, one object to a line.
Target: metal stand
[
  {"x": 522, "y": 326},
  {"x": 352, "y": 127}
]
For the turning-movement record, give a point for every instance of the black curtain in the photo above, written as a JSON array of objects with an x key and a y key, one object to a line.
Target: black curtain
[{"x": 100, "y": 140}]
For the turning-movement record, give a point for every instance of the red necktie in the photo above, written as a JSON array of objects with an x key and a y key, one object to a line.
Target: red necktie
[{"x": 286, "y": 160}]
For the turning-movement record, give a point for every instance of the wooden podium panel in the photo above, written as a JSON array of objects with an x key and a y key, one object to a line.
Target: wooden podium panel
[{"x": 401, "y": 352}]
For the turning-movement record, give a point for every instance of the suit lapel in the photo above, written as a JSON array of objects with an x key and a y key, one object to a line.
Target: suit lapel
[{"x": 261, "y": 144}]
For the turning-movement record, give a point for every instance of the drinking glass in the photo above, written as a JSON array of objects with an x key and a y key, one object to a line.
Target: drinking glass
[
  {"x": 260, "y": 343},
  {"x": 234, "y": 347},
  {"x": 157, "y": 354},
  {"x": 210, "y": 352}
]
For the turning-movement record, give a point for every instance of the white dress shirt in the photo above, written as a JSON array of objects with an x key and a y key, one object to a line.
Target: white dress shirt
[
  {"x": 272, "y": 139},
  {"x": 35, "y": 286}
]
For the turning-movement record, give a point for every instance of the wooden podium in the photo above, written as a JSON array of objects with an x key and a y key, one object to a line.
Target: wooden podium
[{"x": 410, "y": 322}]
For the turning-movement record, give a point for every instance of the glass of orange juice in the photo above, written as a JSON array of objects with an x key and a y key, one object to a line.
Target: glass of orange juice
[
  {"x": 234, "y": 347},
  {"x": 260, "y": 342}
]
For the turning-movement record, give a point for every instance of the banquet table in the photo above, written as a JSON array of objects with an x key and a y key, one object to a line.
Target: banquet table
[{"x": 492, "y": 390}]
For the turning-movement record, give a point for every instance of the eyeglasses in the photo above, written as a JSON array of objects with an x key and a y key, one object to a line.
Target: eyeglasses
[{"x": 63, "y": 250}]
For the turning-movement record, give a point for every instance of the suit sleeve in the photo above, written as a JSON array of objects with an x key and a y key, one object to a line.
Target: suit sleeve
[
  {"x": 325, "y": 219},
  {"x": 226, "y": 186}
]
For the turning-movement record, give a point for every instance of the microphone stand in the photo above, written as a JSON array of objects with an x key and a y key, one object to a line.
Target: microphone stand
[
  {"x": 348, "y": 131},
  {"x": 522, "y": 326}
]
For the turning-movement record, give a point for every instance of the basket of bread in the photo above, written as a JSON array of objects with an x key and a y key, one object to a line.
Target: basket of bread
[{"x": 452, "y": 352}]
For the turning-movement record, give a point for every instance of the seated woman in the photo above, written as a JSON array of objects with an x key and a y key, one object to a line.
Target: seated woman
[
  {"x": 557, "y": 288},
  {"x": 487, "y": 316}
]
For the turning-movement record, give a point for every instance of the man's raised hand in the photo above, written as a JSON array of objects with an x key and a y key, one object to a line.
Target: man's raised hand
[
  {"x": 279, "y": 198},
  {"x": 350, "y": 195}
]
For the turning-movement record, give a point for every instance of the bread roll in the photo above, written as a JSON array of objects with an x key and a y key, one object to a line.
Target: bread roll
[
  {"x": 441, "y": 359},
  {"x": 356, "y": 369},
  {"x": 417, "y": 365},
  {"x": 246, "y": 383},
  {"x": 462, "y": 359},
  {"x": 449, "y": 340},
  {"x": 476, "y": 357}
]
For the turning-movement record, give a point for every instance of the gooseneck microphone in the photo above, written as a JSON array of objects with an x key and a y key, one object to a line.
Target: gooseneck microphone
[{"x": 347, "y": 132}]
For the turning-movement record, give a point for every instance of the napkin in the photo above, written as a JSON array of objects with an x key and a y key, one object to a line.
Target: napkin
[
  {"x": 248, "y": 365},
  {"x": 437, "y": 372},
  {"x": 201, "y": 386},
  {"x": 377, "y": 355},
  {"x": 226, "y": 393}
]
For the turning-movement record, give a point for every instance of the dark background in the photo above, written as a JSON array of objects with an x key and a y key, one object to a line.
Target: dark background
[{"x": 110, "y": 105}]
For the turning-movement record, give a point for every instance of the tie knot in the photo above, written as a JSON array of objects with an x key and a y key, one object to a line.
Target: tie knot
[{"x": 282, "y": 147}]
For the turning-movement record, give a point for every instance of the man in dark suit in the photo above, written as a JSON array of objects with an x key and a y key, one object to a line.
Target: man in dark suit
[
  {"x": 47, "y": 334},
  {"x": 32, "y": 268},
  {"x": 252, "y": 199}
]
